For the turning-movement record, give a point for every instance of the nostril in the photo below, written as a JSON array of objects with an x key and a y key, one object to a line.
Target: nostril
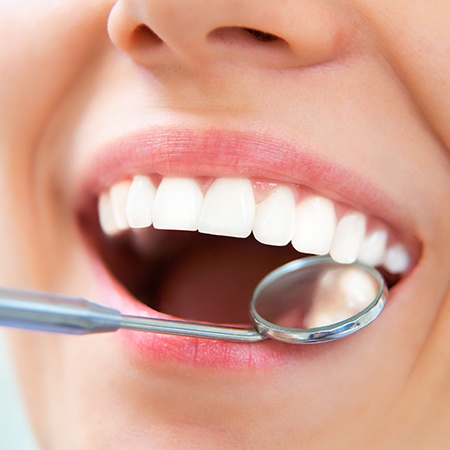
[
  {"x": 261, "y": 35},
  {"x": 245, "y": 36},
  {"x": 143, "y": 36}
]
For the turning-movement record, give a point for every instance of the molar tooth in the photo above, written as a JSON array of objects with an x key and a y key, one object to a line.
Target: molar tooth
[
  {"x": 315, "y": 224},
  {"x": 373, "y": 248},
  {"x": 177, "y": 204},
  {"x": 139, "y": 202},
  {"x": 119, "y": 194},
  {"x": 275, "y": 217},
  {"x": 228, "y": 208},
  {"x": 397, "y": 259},
  {"x": 105, "y": 215},
  {"x": 348, "y": 237}
]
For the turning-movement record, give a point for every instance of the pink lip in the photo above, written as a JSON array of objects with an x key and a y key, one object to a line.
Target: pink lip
[
  {"x": 207, "y": 353},
  {"x": 217, "y": 153}
]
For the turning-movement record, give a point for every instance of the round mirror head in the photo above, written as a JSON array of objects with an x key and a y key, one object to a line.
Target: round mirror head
[{"x": 316, "y": 299}]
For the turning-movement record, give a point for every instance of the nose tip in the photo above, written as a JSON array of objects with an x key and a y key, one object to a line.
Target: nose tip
[{"x": 267, "y": 33}]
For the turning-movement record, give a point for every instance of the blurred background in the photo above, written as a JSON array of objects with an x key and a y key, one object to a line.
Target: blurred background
[{"x": 15, "y": 433}]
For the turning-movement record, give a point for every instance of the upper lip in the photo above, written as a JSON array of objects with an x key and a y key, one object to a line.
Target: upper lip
[{"x": 220, "y": 153}]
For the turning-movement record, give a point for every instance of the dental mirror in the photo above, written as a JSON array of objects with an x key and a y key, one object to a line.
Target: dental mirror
[
  {"x": 310, "y": 300},
  {"x": 317, "y": 300}
]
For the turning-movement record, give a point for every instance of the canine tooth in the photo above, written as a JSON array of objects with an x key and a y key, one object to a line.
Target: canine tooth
[
  {"x": 177, "y": 204},
  {"x": 139, "y": 202},
  {"x": 228, "y": 208},
  {"x": 275, "y": 217},
  {"x": 105, "y": 215},
  {"x": 119, "y": 194},
  {"x": 373, "y": 248},
  {"x": 315, "y": 224},
  {"x": 397, "y": 259},
  {"x": 348, "y": 237}
]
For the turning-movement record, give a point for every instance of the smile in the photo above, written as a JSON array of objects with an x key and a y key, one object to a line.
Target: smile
[{"x": 182, "y": 233}]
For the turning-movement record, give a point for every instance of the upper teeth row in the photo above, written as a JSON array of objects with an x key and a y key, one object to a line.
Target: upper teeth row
[{"x": 229, "y": 208}]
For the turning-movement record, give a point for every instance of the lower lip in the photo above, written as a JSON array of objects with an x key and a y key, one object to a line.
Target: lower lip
[{"x": 198, "y": 352}]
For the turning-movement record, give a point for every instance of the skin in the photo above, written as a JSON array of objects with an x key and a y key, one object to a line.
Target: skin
[{"x": 364, "y": 84}]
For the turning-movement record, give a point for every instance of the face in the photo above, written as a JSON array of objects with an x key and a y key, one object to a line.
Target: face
[{"x": 318, "y": 127}]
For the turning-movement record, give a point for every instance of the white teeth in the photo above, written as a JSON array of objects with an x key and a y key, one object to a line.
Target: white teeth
[
  {"x": 105, "y": 215},
  {"x": 228, "y": 208},
  {"x": 139, "y": 203},
  {"x": 397, "y": 259},
  {"x": 177, "y": 204},
  {"x": 373, "y": 248},
  {"x": 119, "y": 196},
  {"x": 275, "y": 217},
  {"x": 315, "y": 226},
  {"x": 349, "y": 234}
]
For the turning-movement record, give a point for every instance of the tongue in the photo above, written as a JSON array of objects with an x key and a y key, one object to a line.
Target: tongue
[{"x": 215, "y": 283}]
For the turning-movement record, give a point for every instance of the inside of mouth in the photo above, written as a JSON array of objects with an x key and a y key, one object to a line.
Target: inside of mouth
[
  {"x": 189, "y": 275},
  {"x": 193, "y": 276}
]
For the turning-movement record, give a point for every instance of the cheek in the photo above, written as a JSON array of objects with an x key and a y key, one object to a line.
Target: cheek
[
  {"x": 44, "y": 47},
  {"x": 415, "y": 40}
]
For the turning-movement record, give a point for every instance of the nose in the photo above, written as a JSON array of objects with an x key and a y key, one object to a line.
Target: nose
[{"x": 276, "y": 34}]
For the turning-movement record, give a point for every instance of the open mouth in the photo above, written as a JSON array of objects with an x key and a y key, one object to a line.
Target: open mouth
[{"x": 195, "y": 247}]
